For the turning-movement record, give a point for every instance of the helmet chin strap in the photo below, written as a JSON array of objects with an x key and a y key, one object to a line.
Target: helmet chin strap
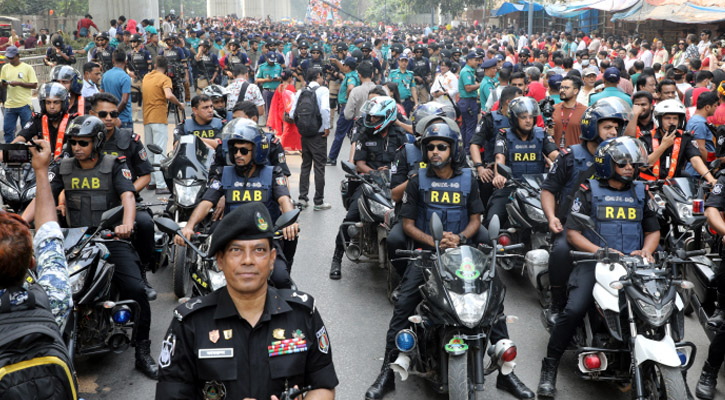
[
  {"x": 440, "y": 164},
  {"x": 55, "y": 116}
]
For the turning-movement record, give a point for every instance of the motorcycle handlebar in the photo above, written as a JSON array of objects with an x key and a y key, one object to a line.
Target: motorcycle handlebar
[
  {"x": 513, "y": 247},
  {"x": 695, "y": 253},
  {"x": 582, "y": 255},
  {"x": 406, "y": 253}
]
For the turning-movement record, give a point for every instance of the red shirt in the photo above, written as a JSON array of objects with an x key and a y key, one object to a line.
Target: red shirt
[
  {"x": 86, "y": 23},
  {"x": 718, "y": 118},
  {"x": 537, "y": 91}
]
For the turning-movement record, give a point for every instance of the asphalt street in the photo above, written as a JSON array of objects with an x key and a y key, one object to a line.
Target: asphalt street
[{"x": 356, "y": 313}]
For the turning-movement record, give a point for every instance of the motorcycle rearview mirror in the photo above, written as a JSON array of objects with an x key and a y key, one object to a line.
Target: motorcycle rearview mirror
[
  {"x": 715, "y": 164},
  {"x": 287, "y": 219},
  {"x": 110, "y": 217},
  {"x": 494, "y": 228},
  {"x": 436, "y": 228},
  {"x": 349, "y": 167},
  {"x": 154, "y": 148},
  {"x": 588, "y": 223},
  {"x": 167, "y": 225},
  {"x": 504, "y": 170}
]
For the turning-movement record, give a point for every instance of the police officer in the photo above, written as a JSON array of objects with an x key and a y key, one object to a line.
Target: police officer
[
  {"x": 467, "y": 88},
  {"x": 522, "y": 147},
  {"x": 247, "y": 339},
  {"x": 614, "y": 188},
  {"x": 72, "y": 80},
  {"x": 127, "y": 146},
  {"x": 443, "y": 177},
  {"x": 299, "y": 57},
  {"x": 670, "y": 149},
  {"x": 102, "y": 54},
  {"x": 488, "y": 86},
  {"x": 202, "y": 123},
  {"x": 706, "y": 385},
  {"x": 374, "y": 150},
  {"x": 52, "y": 122},
  {"x": 334, "y": 78},
  {"x": 218, "y": 95},
  {"x": 233, "y": 58},
  {"x": 93, "y": 183},
  {"x": 483, "y": 141},
  {"x": 177, "y": 64},
  {"x": 206, "y": 66},
  {"x": 606, "y": 119},
  {"x": 350, "y": 79},
  {"x": 139, "y": 60},
  {"x": 406, "y": 84},
  {"x": 59, "y": 53},
  {"x": 269, "y": 75},
  {"x": 244, "y": 179},
  {"x": 316, "y": 61},
  {"x": 422, "y": 73},
  {"x": 368, "y": 56}
]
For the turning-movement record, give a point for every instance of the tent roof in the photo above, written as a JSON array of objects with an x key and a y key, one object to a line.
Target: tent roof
[
  {"x": 683, "y": 13},
  {"x": 507, "y": 8}
]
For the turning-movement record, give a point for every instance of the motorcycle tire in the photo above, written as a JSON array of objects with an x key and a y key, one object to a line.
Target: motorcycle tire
[
  {"x": 393, "y": 281},
  {"x": 669, "y": 379},
  {"x": 180, "y": 272},
  {"x": 458, "y": 388}
]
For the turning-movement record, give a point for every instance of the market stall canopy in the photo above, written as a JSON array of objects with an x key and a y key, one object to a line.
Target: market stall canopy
[
  {"x": 678, "y": 11},
  {"x": 578, "y": 8},
  {"x": 515, "y": 7}
]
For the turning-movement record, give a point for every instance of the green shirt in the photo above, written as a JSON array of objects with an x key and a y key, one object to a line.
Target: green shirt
[
  {"x": 634, "y": 78},
  {"x": 269, "y": 71},
  {"x": 468, "y": 77},
  {"x": 608, "y": 92},
  {"x": 487, "y": 86},
  {"x": 351, "y": 78},
  {"x": 405, "y": 81}
]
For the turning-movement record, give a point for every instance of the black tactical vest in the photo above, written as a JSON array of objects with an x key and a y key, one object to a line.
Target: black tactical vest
[{"x": 88, "y": 192}]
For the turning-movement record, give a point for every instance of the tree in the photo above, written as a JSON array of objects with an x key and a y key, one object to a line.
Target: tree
[{"x": 59, "y": 7}]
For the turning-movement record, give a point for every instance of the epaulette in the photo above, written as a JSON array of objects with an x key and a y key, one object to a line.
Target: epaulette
[
  {"x": 584, "y": 186},
  {"x": 136, "y": 137},
  {"x": 121, "y": 158},
  {"x": 566, "y": 150},
  {"x": 502, "y": 130},
  {"x": 195, "y": 304},
  {"x": 297, "y": 297}
]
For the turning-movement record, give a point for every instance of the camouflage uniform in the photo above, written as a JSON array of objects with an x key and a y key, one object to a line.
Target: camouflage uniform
[{"x": 52, "y": 272}]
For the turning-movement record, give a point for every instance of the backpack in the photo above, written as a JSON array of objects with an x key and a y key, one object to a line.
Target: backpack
[
  {"x": 307, "y": 113},
  {"x": 34, "y": 359}
]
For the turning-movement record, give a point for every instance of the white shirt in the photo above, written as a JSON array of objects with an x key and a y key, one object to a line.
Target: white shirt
[
  {"x": 323, "y": 103},
  {"x": 112, "y": 32},
  {"x": 253, "y": 94},
  {"x": 89, "y": 89},
  {"x": 581, "y": 46},
  {"x": 646, "y": 57},
  {"x": 447, "y": 82}
]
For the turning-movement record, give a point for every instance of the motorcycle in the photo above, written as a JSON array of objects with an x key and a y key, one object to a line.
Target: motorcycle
[
  {"x": 204, "y": 274},
  {"x": 99, "y": 322},
  {"x": 367, "y": 242},
  {"x": 527, "y": 225},
  {"x": 17, "y": 184},
  {"x": 632, "y": 293},
  {"x": 448, "y": 341}
]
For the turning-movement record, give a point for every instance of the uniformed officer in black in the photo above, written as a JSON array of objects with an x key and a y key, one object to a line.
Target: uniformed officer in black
[
  {"x": 94, "y": 183},
  {"x": 374, "y": 150},
  {"x": 103, "y": 52},
  {"x": 315, "y": 61},
  {"x": 202, "y": 122},
  {"x": 368, "y": 56},
  {"x": 614, "y": 192},
  {"x": 446, "y": 188},
  {"x": 246, "y": 178},
  {"x": 420, "y": 66},
  {"x": 233, "y": 58},
  {"x": 177, "y": 60},
  {"x": 126, "y": 145},
  {"x": 714, "y": 205},
  {"x": 246, "y": 340},
  {"x": 206, "y": 65},
  {"x": 59, "y": 53},
  {"x": 139, "y": 60},
  {"x": 606, "y": 119}
]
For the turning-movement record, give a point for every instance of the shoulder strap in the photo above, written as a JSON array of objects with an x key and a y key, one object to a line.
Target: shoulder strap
[
  {"x": 297, "y": 297},
  {"x": 243, "y": 92},
  {"x": 466, "y": 179},
  {"x": 107, "y": 163},
  {"x": 66, "y": 166},
  {"x": 267, "y": 173},
  {"x": 195, "y": 304}
]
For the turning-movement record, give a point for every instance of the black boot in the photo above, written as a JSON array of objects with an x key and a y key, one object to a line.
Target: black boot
[
  {"x": 708, "y": 381},
  {"x": 385, "y": 382},
  {"x": 558, "y": 302},
  {"x": 547, "y": 382},
  {"x": 718, "y": 317},
  {"x": 336, "y": 266},
  {"x": 144, "y": 362},
  {"x": 512, "y": 384},
  {"x": 150, "y": 292}
]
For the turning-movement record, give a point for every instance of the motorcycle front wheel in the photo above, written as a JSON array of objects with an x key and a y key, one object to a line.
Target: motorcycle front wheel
[
  {"x": 662, "y": 382},
  {"x": 180, "y": 272},
  {"x": 459, "y": 385}
]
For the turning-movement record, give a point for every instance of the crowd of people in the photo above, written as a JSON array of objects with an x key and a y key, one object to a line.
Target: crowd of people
[{"x": 424, "y": 103}]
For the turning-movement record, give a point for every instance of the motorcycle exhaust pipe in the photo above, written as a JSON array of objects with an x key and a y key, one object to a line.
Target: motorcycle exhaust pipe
[
  {"x": 118, "y": 343},
  {"x": 353, "y": 252},
  {"x": 401, "y": 365}
]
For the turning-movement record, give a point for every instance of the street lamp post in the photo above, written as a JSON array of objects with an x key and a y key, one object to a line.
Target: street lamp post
[{"x": 531, "y": 17}]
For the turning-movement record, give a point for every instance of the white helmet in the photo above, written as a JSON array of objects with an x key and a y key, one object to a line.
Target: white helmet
[{"x": 671, "y": 106}]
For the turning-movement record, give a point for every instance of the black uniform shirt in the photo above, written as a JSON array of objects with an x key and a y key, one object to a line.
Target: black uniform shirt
[
  {"x": 121, "y": 177},
  {"x": 214, "y": 190},
  {"x": 502, "y": 145},
  {"x": 688, "y": 149},
  {"x": 399, "y": 170},
  {"x": 210, "y": 345},
  {"x": 136, "y": 156},
  {"x": 582, "y": 203},
  {"x": 378, "y": 151},
  {"x": 717, "y": 197}
]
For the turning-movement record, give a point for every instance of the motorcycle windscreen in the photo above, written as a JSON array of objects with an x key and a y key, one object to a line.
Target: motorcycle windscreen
[
  {"x": 687, "y": 186},
  {"x": 191, "y": 159},
  {"x": 465, "y": 270}
]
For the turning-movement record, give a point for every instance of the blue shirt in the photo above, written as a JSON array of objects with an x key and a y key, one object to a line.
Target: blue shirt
[
  {"x": 117, "y": 82},
  {"x": 610, "y": 91},
  {"x": 700, "y": 131}
]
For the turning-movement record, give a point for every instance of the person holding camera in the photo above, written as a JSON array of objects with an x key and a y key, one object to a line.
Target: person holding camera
[
  {"x": 59, "y": 53},
  {"x": 568, "y": 113}
]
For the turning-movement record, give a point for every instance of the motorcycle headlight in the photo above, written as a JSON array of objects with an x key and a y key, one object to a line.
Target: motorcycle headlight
[
  {"x": 656, "y": 317},
  {"x": 684, "y": 210},
  {"x": 535, "y": 213},
  {"x": 8, "y": 193},
  {"x": 469, "y": 307},
  {"x": 77, "y": 281},
  {"x": 217, "y": 279},
  {"x": 378, "y": 209},
  {"x": 186, "y": 195}
]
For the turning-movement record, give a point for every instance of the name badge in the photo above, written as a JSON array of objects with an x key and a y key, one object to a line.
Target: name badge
[
  {"x": 522, "y": 157},
  {"x": 619, "y": 213},
  {"x": 216, "y": 353},
  {"x": 444, "y": 197}
]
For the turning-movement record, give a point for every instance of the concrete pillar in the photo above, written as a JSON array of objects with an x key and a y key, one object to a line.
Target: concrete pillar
[
  {"x": 104, "y": 11},
  {"x": 218, "y": 8},
  {"x": 276, "y": 9}
]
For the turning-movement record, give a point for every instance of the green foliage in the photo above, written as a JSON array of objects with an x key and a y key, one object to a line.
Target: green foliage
[
  {"x": 59, "y": 7},
  {"x": 397, "y": 10},
  {"x": 389, "y": 10}
]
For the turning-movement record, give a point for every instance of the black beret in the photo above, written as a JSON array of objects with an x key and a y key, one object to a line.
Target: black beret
[{"x": 249, "y": 221}]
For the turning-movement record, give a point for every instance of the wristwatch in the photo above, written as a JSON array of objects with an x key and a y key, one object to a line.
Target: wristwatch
[
  {"x": 462, "y": 239},
  {"x": 478, "y": 164}
]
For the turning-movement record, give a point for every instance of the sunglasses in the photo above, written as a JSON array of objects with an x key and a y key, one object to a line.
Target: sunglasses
[
  {"x": 624, "y": 164},
  {"x": 82, "y": 143},
  {"x": 242, "y": 150},
  {"x": 104, "y": 114},
  {"x": 440, "y": 147}
]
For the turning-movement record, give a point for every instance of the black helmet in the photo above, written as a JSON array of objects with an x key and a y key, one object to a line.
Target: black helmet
[
  {"x": 616, "y": 151},
  {"x": 449, "y": 132},
  {"x": 304, "y": 45},
  {"x": 418, "y": 47},
  {"x": 357, "y": 54},
  {"x": 205, "y": 43},
  {"x": 367, "y": 45},
  {"x": 172, "y": 37},
  {"x": 57, "y": 40},
  {"x": 520, "y": 106},
  {"x": 88, "y": 126},
  {"x": 245, "y": 130},
  {"x": 235, "y": 42},
  {"x": 135, "y": 38},
  {"x": 55, "y": 90},
  {"x": 67, "y": 73},
  {"x": 341, "y": 47},
  {"x": 397, "y": 47},
  {"x": 316, "y": 47},
  {"x": 423, "y": 111}
]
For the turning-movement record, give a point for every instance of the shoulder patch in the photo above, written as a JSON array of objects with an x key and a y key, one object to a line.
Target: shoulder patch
[
  {"x": 192, "y": 305},
  {"x": 121, "y": 158},
  {"x": 298, "y": 297}
]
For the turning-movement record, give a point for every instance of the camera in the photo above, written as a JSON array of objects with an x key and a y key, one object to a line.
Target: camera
[
  {"x": 547, "y": 110},
  {"x": 16, "y": 153}
]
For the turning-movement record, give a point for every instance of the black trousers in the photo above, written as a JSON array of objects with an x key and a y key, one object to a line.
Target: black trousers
[
  {"x": 581, "y": 284},
  {"x": 397, "y": 241},
  {"x": 144, "y": 237},
  {"x": 127, "y": 279},
  {"x": 497, "y": 206},
  {"x": 353, "y": 215},
  {"x": 485, "y": 189},
  {"x": 409, "y": 297},
  {"x": 560, "y": 262},
  {"x": 314, "y": 151}
]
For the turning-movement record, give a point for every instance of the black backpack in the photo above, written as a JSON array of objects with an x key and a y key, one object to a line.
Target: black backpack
[
  {"x": 34, "y": 361},
  {"x": 307, "y": 113}
]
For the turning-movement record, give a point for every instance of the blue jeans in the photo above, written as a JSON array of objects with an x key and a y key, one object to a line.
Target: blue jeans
[
  {"x": 343, "y": 127},
  {"x": 469, "y": 116},
  {"x": 128, "y": 125},
  {"x": 11, "y": 120},
  {"x": 408, "y": 106}
]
